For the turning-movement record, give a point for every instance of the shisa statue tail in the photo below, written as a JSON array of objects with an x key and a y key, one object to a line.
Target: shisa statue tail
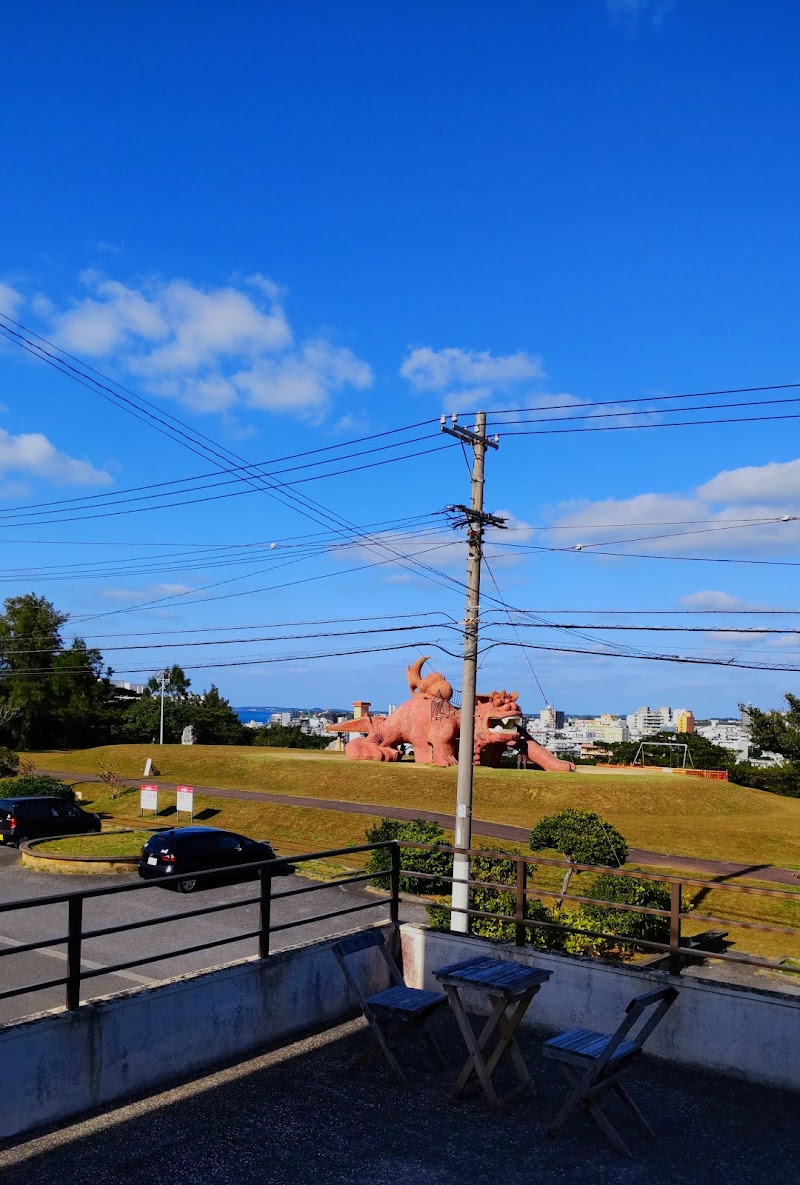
[{"x": 433, "y": 684}]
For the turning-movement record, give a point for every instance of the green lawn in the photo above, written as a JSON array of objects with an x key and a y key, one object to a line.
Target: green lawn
[
  {"x": 107, "y": 843},
  {"x": 677, "y": 815}
]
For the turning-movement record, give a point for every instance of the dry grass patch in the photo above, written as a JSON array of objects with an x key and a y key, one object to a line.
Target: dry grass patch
[{"x": 682, "y": 816}]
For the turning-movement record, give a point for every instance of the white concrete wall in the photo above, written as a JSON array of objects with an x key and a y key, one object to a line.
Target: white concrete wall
[
  {"x": 60, "y": 1064},
  {"x": 750, "y": 1034}
]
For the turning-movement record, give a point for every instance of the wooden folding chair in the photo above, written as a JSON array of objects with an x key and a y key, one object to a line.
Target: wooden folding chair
[
  {"x": 593, "y": 1063},
  {"x": 394, "y": 1015}
]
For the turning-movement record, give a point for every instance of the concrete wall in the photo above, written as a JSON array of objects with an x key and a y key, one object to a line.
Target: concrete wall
[
  {"x": 60, "y": 1064},
  {"x": 750, "y": 1034},
  {"x": 57, "y": 1065}
]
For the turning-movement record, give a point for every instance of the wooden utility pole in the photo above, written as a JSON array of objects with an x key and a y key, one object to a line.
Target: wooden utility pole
[{"x": 475, "y": 520}]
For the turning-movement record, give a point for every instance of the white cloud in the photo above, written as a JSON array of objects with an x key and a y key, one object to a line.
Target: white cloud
[
  {"x": 720, "y": 516},
  {"x": 33, "y": 454},
  {"x": 709, "y": 598},
  {"x": 779, "y": 481},
  {"x": 211, "y": 349},
  {"x": 10, "y": 300},
  {"x": 302, "y": 381},
  {"x": 436, "y": 370}
]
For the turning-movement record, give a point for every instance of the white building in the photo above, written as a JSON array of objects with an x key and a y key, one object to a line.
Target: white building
[
  {"x": 646, "y": 721},
  {"x": 611, "y": 729}
]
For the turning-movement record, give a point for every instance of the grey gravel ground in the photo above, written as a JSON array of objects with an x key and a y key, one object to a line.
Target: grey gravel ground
[{"x": 295, "y": 1116}]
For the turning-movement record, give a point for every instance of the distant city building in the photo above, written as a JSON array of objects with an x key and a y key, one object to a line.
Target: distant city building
[
  {"x": 133, "y": 688},
  {"x": 281, "y": 718},
  {"x": 731, "y": 734},
  {"x": 684, "y": 721},
  {"x": 646, "y": 721},
  {"x": 611, "y": 729}
]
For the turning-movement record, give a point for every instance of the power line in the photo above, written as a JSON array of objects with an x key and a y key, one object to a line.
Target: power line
[
  {"x": 673, "y": 658},
  {"x": 647, "y": 427},
  {"x": 176, "y": 645},
  {"x": 244, "y": 662},
  {"x": 202, "y": 445},
  {"x": 631, "y": 612},
  {"x": 646, "y": 411},
  {"x": 633, "y": 555},
  {"x": 513, "y": 626},
  {"x": 659, "y": 629},
  {"x": 645, "y": 399}
]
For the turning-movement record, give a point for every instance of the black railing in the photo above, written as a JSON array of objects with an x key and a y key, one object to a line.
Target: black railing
[
  {"x": 677, "y": 949},
  {"x": 265, "y": 871}
]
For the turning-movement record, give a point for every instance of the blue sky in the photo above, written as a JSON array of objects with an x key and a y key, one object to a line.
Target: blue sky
[{"x": 295, "y": 225}]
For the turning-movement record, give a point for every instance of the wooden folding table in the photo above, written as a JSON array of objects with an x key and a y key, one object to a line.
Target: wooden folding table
[{"x": 508, "y": 985}]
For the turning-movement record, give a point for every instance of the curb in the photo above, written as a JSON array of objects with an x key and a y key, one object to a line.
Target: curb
[{"x": 58, "y": 862}]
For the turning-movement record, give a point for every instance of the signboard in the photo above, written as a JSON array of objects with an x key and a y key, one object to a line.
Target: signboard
[
  {"x": 185, "y": 800},
  {"x": 148, "y": 798}
]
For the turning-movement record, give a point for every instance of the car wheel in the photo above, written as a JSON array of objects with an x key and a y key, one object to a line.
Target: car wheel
[{"x": 187, "y": 885}]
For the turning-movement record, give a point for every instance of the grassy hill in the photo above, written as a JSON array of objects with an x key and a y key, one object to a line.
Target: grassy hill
[{"x": 681, "y": 816}]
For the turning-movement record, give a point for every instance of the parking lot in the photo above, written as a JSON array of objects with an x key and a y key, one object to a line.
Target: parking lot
[{"x": 28, "y": 925}]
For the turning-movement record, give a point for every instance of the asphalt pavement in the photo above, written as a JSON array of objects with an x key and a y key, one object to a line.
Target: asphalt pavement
[{"x": 18, "y": 883}]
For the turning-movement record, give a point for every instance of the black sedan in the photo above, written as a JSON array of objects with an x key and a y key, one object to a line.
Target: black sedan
[{"x": 180, "y": 853}]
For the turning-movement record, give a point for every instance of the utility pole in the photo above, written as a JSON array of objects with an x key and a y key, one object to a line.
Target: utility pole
[
  {"x": 161, "y": 730},
  {"x": 475, "y": 520}
]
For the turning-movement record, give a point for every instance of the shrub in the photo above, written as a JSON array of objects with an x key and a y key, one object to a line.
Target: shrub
[
  {"x": 628, "y": 890},
  {"x": 438, "y": 864},
  {"x": 38, "y": 785},
  {"x": 776, "y": 779},
  {"x": 9, "y": 763},
  {"x": 574, "y": 941},
  {"x": 497, "y": 871}
]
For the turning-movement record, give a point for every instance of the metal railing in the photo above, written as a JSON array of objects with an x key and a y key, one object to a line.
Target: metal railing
[
  {"x": 265, "y": 870},
  {"x": 522, "y": 890},
  {"x": 675, "y": 948}
]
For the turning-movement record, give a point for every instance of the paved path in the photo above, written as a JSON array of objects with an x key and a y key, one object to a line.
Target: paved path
[{"x": 689, "y": 864}]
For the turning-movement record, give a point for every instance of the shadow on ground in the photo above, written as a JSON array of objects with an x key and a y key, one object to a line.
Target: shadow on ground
[{"x": 295, "y": 1116}]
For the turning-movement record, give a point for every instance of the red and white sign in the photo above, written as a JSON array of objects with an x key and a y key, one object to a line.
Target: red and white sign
[
  {"x": 185, "y": 799},
  {"x": 148, "y": 798}
]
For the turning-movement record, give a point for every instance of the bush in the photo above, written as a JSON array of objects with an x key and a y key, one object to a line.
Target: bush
[
  {"x": 9, "y": 763},
  {"x": 776, "y": 779},
  {"x": 438, "y": 864},
  {"x": 498, "y": 871},
  {"x": 38, "y": 786},
  {"x": 628, "y": 890}
]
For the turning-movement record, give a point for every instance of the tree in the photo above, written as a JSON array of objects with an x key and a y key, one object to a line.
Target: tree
[
  {"x": 704, "y": 753},
  {"x": 214, "y": 720},
  {"x": 777, "y": 732},
  {"x": 176, "y": 685},
  {"x": 212, "y": 717},
  {"x": 50, "y": 695},
  {"x": 288, "y": 736},
  {"x": 583, "y": 838}
]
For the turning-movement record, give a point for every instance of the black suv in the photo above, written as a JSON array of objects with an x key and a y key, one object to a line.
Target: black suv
[
  {"x": 182, "y": 852},
  {"x": 39, "y": 818}
]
